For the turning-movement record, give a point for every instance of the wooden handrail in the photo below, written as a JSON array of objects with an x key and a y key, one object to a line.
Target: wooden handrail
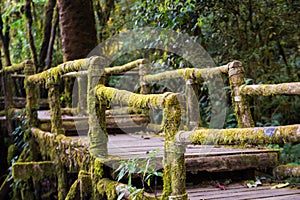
[
  {"x": 242, "y": 136},
  {"x": 62, "y": 69},
  {"x": 116, "y": 70},
  {"x": 271, "y": 89},
  {"x": 14, "y": 67},
  {"x": 186, "y": 73}
]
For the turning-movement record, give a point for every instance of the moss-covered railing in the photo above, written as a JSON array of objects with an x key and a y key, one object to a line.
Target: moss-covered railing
[
  {"x": 6, "y": 74},
  {"x": 194, "y": 78},
  {"x": 8, "y": 89},
  {"x": 82, "y": 81},
  {"x": 174, "y": 179},
  {"x": 51, "y": 80}
]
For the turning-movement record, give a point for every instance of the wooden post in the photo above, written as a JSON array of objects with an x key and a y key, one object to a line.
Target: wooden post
[
  {"x": 54, "y": 104},
  {"x": 239, "y": 101},
  {"x": 144, "y": 70},
  {"x": 31, "y": 95},
  {"x": 98, "y": 136},
  {"x": 82, "y": 94},
  {"x": 174, "y": 162},
  {"x": 61, "y": 180},
  {"x": 192, "y": 104},
  {"x": 68, "y": 85}
]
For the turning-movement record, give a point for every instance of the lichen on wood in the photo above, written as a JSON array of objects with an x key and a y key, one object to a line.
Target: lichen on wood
[
  {"x": 271, "y": 89},
  {"x": 242, "y": 136},
  {"x": 55, "y": 72},
  {"x": 124, "y": 68},
  {"x": 115, "y": 96}
]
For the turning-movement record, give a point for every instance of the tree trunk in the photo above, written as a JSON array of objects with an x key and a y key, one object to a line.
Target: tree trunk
[
  {"x": 5, "y": 41},
  {"x": 47, "y": 31},
  {"x": 78, "y": 30}
]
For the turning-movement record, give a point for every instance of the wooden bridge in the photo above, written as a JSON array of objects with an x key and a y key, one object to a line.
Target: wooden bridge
[{"x": 81, "y": 166}]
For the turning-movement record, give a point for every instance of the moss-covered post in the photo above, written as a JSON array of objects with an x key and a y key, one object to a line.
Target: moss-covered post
[
  {"x": 96, "y": 109},
  {"x": 62, "y": 183},
  {"x": 82, "y": 94},
  {"x": 192, "y": 106},
  {"x": 174, "y": 163},
  {"x": 239, "y": 101},
  {"x": 68, "y": 85},
  {"x": 54, "y": 104},
  {"x": 144, "y": 69},
  {"x": 31, "y": 95}
]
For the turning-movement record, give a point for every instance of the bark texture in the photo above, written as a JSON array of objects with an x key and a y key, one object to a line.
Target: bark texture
[{"x": 78, "y": 30}]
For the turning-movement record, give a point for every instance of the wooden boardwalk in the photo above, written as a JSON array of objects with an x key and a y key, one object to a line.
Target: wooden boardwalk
[
  {"x": 207, "y": 158},
  {"x": 239, "y": 192}
]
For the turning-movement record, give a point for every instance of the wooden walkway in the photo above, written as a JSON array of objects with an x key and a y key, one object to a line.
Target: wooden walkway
[
  {"x": 239, "y": 192},
  {"x": 198, "y": 158}
]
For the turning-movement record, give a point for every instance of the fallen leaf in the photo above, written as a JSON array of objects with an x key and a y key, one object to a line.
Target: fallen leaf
[{"x": 281, "y": 185}]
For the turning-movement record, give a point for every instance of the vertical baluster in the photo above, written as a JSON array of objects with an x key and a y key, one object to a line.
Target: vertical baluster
[
  {"x": 174, "y": 162},
  {"x": 31, "y": 95},
  {"x": 192, "y": 104},
  {"x": 82, "y": 94},
  {"x": 96, "y": 109},
  {"x": 239, "y": 101},
  {"x": 54, "y": 104}
]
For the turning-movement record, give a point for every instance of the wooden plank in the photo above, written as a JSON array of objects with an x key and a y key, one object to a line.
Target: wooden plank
[
  {"x": 231, "y": 162},
  {"x": 243, "y": 194},
  {"x": 286, "y": 197},
  {"x": 212, "y": 188},
  {"x": 221, "y": 192}
]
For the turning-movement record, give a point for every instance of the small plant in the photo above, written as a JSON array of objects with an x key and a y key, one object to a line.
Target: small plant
[
  {"x": 143, "y": 168},
  {"x": 291, "y": 154}
]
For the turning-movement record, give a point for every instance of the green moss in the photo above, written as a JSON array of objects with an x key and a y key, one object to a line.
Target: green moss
[
  {"x": 243, "y": 136},
  {"x": 14, "y": 68},
  {"x": 107, "y": 189},
  {"x": 112, "y": 95},
  {"x": 53, "y": 74},
  {"x": 98, "y": 167}
]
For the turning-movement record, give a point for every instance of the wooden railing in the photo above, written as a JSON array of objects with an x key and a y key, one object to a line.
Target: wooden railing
[{"x": 96, "y": 98}]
